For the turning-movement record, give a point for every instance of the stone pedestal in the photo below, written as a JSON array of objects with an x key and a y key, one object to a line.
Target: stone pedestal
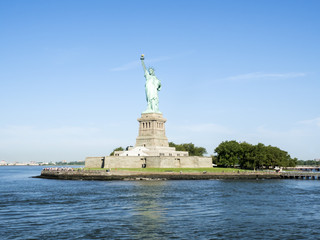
[
  {"x": 152, "y": 131},
  {"x": 152, "y": 140}
]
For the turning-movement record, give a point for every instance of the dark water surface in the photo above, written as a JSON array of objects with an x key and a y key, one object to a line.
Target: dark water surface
[{"x": 218, "y": 209}]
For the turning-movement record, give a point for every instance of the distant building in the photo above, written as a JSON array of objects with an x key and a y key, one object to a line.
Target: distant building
[
  {"x": 33, "y": 163},
  {"x": 3, "y": 162}
]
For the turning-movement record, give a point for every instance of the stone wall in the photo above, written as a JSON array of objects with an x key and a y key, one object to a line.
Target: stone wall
[
  {"x": 124, "y": 162},
  {"x": 150, "y": 161},
  {"x": 93, "y": 162},
  {"x": 132, "y": 175},
  {"x": 179, "y": 162}
]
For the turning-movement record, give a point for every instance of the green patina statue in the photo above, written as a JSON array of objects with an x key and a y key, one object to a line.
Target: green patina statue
[{"x": 153, "y": 85}]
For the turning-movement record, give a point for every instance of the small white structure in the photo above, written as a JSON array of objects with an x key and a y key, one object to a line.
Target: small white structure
[{"x": 278, "y": 169}]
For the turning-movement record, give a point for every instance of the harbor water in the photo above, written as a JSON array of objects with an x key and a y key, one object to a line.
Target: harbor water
[{"x": 32, "y": 208}]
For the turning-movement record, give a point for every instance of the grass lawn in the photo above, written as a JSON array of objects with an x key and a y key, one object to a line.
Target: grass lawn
[{"x": 174, "y": 169}]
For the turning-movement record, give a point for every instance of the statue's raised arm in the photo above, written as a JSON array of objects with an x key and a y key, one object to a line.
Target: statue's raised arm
[
  {"x": 153, "y": 85},
  {"x": 143, "y": 65}
]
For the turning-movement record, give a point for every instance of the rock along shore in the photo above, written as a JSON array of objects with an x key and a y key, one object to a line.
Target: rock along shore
[{"x": 103, "y": 175}]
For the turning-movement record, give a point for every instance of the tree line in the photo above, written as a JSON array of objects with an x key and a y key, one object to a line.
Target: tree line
[
  {"x": 308, "y": 162},
  {"x": 248, "y": 156},
  {"x": 189, "y": 147}
]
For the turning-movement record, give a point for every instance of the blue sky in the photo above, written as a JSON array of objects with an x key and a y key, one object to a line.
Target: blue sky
[{"x": 72, "y": 85}]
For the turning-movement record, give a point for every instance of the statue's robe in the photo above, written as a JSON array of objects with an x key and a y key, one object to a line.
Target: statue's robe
[{"x": 152, "y": 87}]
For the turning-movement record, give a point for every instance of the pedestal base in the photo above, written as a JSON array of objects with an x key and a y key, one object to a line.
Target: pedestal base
[{"x": 152, "y": 131}]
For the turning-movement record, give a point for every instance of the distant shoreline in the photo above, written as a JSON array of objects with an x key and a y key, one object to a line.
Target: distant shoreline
[{"x": 37, "y": 165}]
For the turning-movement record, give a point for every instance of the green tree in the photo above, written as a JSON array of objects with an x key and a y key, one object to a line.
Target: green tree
[
  {"x": 273, "y": 156},
  {"x": 246, "y": 155},
  {"x": 189, "y": 147},
  {"x": 259, "y": 156},
  {"x": 293, "y": 162},
  {"x": 214, "y": 159},
  {"x": 231, "y": 153},
  {"x": 116, "y": 149},
  {"x": 228, "y": 153}
]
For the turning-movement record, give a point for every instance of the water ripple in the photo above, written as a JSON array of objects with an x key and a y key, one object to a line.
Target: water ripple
[{"x": 51, "y": 209}]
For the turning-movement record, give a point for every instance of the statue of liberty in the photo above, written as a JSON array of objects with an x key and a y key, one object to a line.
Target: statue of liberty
[{"x": 153, "y": 85}]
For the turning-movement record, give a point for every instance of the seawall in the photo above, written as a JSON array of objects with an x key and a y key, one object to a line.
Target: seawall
[{"x": 103, "y": 175}]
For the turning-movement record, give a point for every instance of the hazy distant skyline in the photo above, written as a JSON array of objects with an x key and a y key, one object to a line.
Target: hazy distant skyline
[{"x": 72, "y": 84}]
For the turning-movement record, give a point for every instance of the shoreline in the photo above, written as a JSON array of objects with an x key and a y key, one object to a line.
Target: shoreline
[{"x": 102, "y": 175}]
